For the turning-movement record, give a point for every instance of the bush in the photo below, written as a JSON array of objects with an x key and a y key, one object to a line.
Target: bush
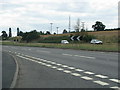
[{"x": 53, "y": 39}]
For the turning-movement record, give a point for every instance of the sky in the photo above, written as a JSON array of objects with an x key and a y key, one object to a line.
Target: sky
[{"x": 37, "y": 15}]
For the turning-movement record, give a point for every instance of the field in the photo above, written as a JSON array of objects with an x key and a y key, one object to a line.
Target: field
[{"x": 110, "y": 39}]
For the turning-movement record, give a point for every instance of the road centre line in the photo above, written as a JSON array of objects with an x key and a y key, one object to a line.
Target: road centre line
[
  {"x": 70, "y": 72},
  {"x": 79, "y": 56},
  {"x": 67, "y": 54}
]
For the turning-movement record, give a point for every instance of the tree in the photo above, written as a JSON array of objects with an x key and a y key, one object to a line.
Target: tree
[
  {"x": 4, "y": 35},
  {"x": 18, "y": 31},
  {"x": 47, "y": 33},
  {"x": 99, "y": 26},
  {"x": 10, "y": 34},
  {"x": 29, "y": 36},
  {"x": 77, "y": 26},
  {"x": 64, "y": 31}
]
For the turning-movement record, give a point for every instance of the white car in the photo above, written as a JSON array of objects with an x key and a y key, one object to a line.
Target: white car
[
  {"x": 64, "y": 42},
  {"x": 95, "y": 41}
]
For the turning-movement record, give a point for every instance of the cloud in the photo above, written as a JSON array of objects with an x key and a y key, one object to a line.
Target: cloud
[{"x": 37, "y": 14}]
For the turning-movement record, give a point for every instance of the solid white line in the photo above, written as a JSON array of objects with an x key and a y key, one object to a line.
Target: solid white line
[
  {"x": 115, "y": 80},
  {"x": 101, "y": 76},
  {"x": 86, "y": 78},
  {"x": 75, "y": 74},
  {"x": 79, "y": 70},
  {"x": 101, "y": 83},
  {"x": 90, "y": 73}
]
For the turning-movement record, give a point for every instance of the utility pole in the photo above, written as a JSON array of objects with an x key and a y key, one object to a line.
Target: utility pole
[
  {"x": 57, "y": 29},
  {"x": 69, "y": 24},
  {"x": 51, "y": 27}
]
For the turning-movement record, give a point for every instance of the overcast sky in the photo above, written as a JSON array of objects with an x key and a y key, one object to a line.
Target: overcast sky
[{"x": 38, "y": 14}]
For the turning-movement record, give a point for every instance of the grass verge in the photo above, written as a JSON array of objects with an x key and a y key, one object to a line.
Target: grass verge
[{"x": 112, "y": 47}]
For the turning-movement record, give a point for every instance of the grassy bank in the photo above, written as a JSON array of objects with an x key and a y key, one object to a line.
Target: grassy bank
[{"x": 83, "y": 46}]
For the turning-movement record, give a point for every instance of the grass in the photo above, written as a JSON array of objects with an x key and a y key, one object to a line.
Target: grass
[{"x": 83, "y": 46}]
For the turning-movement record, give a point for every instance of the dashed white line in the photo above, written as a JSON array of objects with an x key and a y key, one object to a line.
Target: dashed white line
[
  {"x": 70, "y": 72},
  {"x": 101, "y": 83},
  {"x": 101, "y": 76},
  {"x": 64, "y": 66},
  {"x": 60, "y": 69},
  {"x": 90, "y": 73},
  {"x": 53, "y": 67},
  {"x": 75, "y": 74},
  {"x": 58, "y": 64},
  {"x": 115, "y": 87},
  {"x": 70, "y": 67},
  {"x": 79, "y": 70},
  {"x": 67, "y": 54},
  {"x": 115, "y": 80},
  {"x": 85, "y": 56},
  {"x": 67, "y": 71},
  {"x": 86, "y": 78}
]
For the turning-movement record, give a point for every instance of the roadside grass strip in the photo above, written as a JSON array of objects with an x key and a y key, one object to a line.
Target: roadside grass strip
[{"x": 64, "y": 68}]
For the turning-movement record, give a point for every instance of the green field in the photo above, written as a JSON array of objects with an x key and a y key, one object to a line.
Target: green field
[{"x": 113, "y": 47}]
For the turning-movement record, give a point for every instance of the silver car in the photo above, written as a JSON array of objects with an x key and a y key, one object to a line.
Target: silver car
[{"x": 96, "y": 41}]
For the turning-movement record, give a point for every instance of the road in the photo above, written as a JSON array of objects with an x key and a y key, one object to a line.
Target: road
[
  {"x": 0, "y": 67},
  {"x": 65, "y": 68}
]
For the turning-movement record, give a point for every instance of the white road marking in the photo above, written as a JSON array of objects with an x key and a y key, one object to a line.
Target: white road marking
[
  {"x": 75, "y": 74},
  {"x": 116, "y": 87},
  {"x": 101, "y": 83},
  {"x": 64, "y": 66},
  {"x": 70, "y": 67},
  {"x": 86, "y": 78},
  {"x": 70, "y": 72},
  {"x": 67, "y": 71},
  {"x": 67, "y": 54},
  {"x": 58, "y": 64},
  {"x": 101, "y": 76},
  {"x": 43, "y": 51},
  {"x": 85, "y": 56},
  {"x": 79, "y": 70},
  {"x": 60, "y": 69},
  {"x": 115, "y": 80},
  {"x": 53, "y": 67},
  {"x": 90, "y": 73},
  {"x": 48, "y": 65},
  {"x": 53, "y": 62}
]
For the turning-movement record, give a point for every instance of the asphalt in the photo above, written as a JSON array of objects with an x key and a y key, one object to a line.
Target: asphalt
[
  {"x": 0, "y": 67},
  {"x": 99, "y": 68},
  {"x": 8, "y": 70}
]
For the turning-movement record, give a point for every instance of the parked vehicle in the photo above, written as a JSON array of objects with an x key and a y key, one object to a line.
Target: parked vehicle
[
  {"x": 64, "y": 42},
  {"x": 96, "y": 41}
]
